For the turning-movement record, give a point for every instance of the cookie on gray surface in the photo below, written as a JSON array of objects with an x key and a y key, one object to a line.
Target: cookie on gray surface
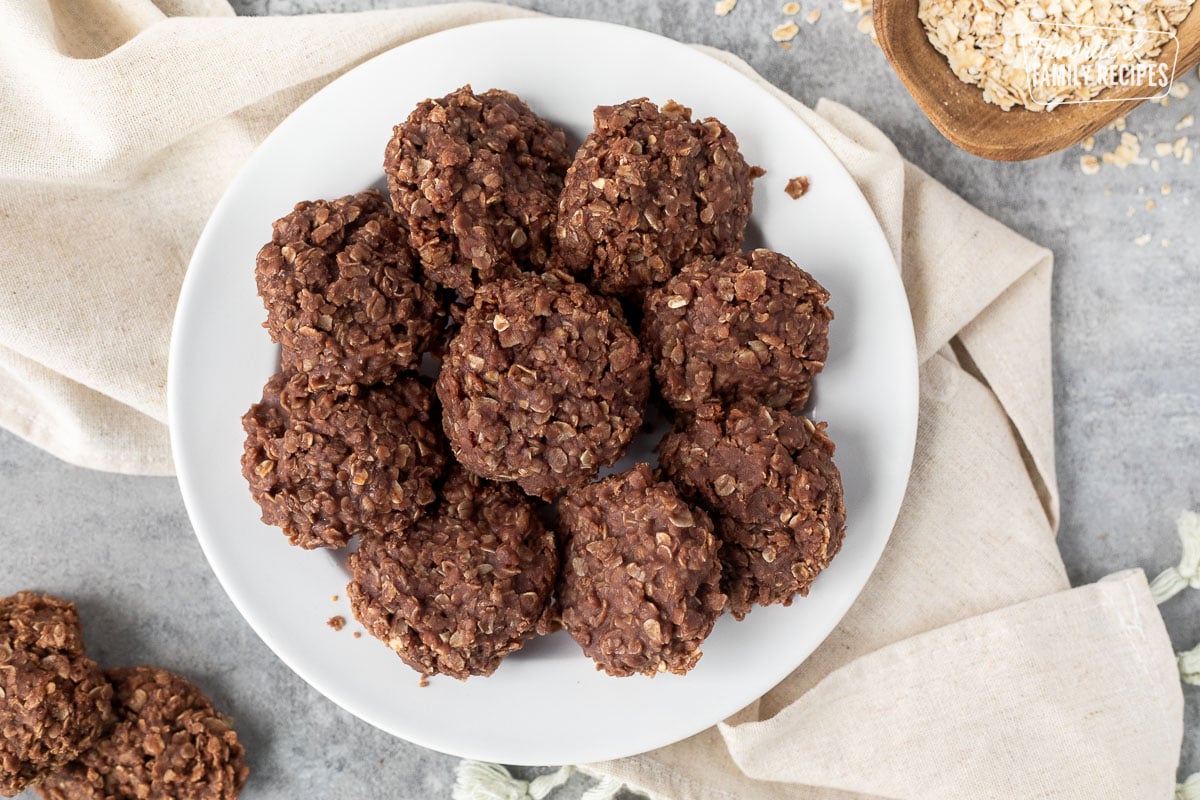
[
  {"x": 168, "y": 743},
  {"x": 54, "y": 701}
]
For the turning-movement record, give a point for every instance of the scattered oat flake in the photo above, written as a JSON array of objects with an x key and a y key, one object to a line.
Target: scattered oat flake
[
  {"x": 1166, "y": 189},
  {"x": 791, "y": 9},
  {"x": 785, "y": 32},
  {"x": 1118, "y": 124},
  {"x": 1128, "y": 152},
  {"x": 1187, "y": 156},
  {"x": 1179, "y": 146},
  {"x": 1163, "y": 148},
  {"x": 1088, "y": 144},
  {"x": 1150, "y": 206},
  {"x": 797, "y": 187},
  {"x": 812, "y": 16},
  {"x": 1142, "y": 240},
  {"x": 1089, "y": 165},
  {"x": 1131, "y": 211},
  {"x": 1154, "y": 165},
  {"x": 337, "y": 623},
  {"x": 1187, "y": 122},
  {"x": 1180, "y": 90},
  {"x": 866, "y": 24},
  {"x": 1162, "y": 100},
  {"x": 1166, "y": 242},
  {"x": 723, "y": 7}
]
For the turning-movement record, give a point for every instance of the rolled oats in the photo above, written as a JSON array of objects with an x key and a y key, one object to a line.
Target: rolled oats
[
  {"x": 993, "y": 44},
  {"x": 785, "y": 32}
]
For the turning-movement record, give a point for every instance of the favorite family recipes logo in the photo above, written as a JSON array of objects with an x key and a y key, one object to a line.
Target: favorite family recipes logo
[{"x": 1076, "y": 63}]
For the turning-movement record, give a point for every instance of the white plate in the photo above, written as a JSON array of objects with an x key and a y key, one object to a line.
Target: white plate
[{"x": 546, "y": 704}]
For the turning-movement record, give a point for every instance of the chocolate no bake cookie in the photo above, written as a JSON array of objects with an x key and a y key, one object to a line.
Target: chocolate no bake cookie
[
  {"x": 465, "y": 586},
  {"x": 344, "y": 294},
  {"x": 640, "y": 588},
  {"x": 477, "y": 179},
  {"x": 544, "y": 384},
  {"x": 325, "y": 467},
  {"x": 767, "y": 477},
  {"x": 649, "y": 191},
  {"x": 54, "y": 700},
  {"x": 751, "y": 325},
  {"x": 169, "y": 743}
]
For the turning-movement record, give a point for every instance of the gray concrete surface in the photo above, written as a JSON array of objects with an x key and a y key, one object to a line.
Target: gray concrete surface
[{"x": 1127, "y": 370}]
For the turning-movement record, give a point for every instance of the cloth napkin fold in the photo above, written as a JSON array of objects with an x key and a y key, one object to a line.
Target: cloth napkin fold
[{"x": 967, "y": 668}]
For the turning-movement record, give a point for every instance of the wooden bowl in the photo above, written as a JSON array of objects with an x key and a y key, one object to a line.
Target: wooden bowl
[{"x": 959, "y": 111}]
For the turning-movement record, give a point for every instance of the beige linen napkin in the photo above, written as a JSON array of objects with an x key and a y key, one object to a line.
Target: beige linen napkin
[{"x": 967, "y": 668}]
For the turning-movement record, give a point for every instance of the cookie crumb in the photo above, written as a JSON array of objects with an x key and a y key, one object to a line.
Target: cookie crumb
[
  {"x": 337, "y": 623},
  {"x": 1089, "y": 165},
  {"x": 358, "y": 634},
  {"x": 797, "y": 187},
  {"x": 723, "y": 7},
  {"x": 333, "y": 598}
]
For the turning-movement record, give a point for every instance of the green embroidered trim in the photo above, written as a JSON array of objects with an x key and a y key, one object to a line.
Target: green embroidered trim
[
  {"x": 1174, "y": 580},
  {"x": 477, "y": 780}
]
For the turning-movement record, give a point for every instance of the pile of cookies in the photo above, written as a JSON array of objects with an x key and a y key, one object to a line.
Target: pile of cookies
[
  {"x": 556, "y": 294},
  {"x": 74, "y": 731}
]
